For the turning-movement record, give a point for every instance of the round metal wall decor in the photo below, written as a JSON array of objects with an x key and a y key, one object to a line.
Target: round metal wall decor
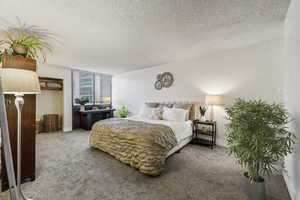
[
  {"x": 165, "y": 79},
  {"x": 158, "y": 85},
  {"x": 158, "y": 77}
]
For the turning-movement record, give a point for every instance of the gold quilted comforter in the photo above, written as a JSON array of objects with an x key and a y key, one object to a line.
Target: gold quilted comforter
[{"x": 139, "y": 144}]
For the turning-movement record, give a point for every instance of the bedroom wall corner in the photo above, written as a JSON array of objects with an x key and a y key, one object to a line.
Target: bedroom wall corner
[{"x": 242, "y": 72}]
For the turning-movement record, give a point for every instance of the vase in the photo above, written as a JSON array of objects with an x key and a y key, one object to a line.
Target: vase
[
  {"x": 254, "y": 190},
  {"x": 203, "y": 118}
]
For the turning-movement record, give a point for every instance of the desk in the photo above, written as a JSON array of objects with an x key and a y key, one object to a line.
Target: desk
[{"x": 89, "y": 117}]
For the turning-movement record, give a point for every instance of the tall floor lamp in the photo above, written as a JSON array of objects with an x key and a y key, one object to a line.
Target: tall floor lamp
[{"x": 17, "y": 82}]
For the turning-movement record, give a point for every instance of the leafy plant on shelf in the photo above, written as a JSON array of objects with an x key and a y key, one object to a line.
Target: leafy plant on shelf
[
  {"x": 202, "y": 110},
  {"x": 82, "y": 101},
  {"x": 123, "y": 111},
  {"x": 258, "y": 136},
  {"x": 26, "y": 40}
]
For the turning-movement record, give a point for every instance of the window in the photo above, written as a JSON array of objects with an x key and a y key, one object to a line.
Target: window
[{"x": 92, "y": 86}]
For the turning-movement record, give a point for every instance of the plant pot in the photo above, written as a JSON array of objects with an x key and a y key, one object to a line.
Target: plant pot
[
  {"x": 20, "y": 50},
  {"x": 203, "y": 118},
  {"x": 254, "y": 190}
]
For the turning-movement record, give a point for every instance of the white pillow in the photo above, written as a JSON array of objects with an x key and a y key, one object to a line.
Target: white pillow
[
  {"x": 175, "y": 114},
  {"x": 149, "y": 113}
]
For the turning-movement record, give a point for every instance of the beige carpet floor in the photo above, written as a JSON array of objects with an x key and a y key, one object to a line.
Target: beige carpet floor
[{"x": 68, "y": 169}]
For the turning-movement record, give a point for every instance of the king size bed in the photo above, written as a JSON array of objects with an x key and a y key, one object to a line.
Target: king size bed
[{"x": 144, "y": 142}]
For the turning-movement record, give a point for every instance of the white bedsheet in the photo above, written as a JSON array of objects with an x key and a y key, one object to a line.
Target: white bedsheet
[{"x": 181, "y": 130}]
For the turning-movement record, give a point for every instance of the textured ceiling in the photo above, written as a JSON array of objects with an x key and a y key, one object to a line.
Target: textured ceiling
[{"x": 115, "y": 36}]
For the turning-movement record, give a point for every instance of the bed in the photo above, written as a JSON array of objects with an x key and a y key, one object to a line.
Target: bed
[
  {"x": 142, "y": 143},
  {"x": 182, "y": 130}
]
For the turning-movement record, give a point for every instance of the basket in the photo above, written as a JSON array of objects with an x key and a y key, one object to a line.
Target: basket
[
  {"x": 38, "y": 126},
  {"x": 51, "y": 123}
]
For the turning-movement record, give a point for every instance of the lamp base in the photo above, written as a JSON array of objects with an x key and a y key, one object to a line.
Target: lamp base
[{"x": 19, "y": 102}]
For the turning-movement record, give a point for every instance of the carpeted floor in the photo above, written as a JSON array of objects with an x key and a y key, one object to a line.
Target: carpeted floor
[{"x": 68, "y": 169}]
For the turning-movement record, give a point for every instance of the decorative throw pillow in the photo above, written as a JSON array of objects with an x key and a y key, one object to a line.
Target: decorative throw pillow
[
  {"x": 162, "y": 105},
  {"x": 149, "y": 113},
  {"x": 187, "y": 107},
  {"x": 183, "y": 106},
  {"x": 175, "y": 114},
  {"x": 145, "y": 112},
  {"x": 158, "y": 112},
  {"x": 152, "y": 105}
]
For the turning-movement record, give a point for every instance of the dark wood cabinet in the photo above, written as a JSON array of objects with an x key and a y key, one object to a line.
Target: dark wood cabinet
[
  {"x": 28, "y": 125},
  {"x": 89, "y": 117},
  {"x": 86, "y": 119}
]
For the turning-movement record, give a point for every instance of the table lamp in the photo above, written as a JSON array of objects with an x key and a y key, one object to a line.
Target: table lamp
[
  {"x": 107, "y": 100},
  {"x": 17, "y": 82},
  {"x": 213, "y": 100}
]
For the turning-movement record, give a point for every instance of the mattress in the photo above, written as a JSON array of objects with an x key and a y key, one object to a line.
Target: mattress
[{"x": 180, "y": 145}]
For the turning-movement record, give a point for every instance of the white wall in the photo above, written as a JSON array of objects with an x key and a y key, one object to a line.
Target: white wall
[
  {"x": 49, "y": 102},
  {"x": 292, "y": 94},
  {"x": 65, "y": 74},
  {"x": 248, "y": 72}
]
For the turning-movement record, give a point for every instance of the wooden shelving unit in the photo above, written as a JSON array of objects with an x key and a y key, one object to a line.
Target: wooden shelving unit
[
  {"x": 47, "y": 83},
  {"x": 197, "y": 131}
]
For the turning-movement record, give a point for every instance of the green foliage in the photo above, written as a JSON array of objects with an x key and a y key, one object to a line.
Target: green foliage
[
  {"x": 203, "y": 110},
  {"x": 123, "y": 111},
  {"x": 4, "y": 52},
  {"x": 258, "y": 135},
  {"x": 82, "y": 101},
  {"x": 36, "y": 39}
]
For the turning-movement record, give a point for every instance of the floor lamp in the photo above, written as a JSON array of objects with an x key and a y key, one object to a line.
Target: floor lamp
[
  {"x": 17, "y": 82},
  {"x": 213, "y": 100}
]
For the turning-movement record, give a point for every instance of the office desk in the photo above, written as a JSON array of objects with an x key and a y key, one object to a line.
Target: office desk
[{"x": 89, "y": 117}]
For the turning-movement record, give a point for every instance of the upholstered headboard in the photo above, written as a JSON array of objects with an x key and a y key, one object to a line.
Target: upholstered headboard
[{"x": 193, "y": 107}]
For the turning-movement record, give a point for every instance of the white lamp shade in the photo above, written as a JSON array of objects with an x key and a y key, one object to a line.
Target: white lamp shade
[
  {"x": 214, "y": 100},
  {"x": 106, "y": 99},
  {"x": 18, "y": 81}
]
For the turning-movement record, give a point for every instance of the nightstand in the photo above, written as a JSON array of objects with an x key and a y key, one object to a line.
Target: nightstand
[{"x": 207, "y": 129}]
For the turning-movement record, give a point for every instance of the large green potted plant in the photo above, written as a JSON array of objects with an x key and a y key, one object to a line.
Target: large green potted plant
[
  {"x": 25, "y": 40},
  {"x": 258, "y": 137}
]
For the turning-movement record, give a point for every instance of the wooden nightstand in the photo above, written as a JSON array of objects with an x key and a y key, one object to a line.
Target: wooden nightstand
[{"x": 208, "y": 129}]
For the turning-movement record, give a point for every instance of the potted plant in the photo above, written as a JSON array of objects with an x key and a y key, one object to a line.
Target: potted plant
[
  {"x": 258, "y": 137},
  {"x": 202, "y": 110},
  {"x": 25, "y": 40},
  {"x": 82, "y": 101},
  {"x": 123, "y": 112}
]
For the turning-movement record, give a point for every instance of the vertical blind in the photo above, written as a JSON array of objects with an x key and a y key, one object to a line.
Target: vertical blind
[{"x": 95, "y": 87}]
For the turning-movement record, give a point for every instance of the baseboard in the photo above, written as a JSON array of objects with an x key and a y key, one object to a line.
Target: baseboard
[
  {"x": 68, "y": 129},
  {"x": 289, "y": 185}
]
